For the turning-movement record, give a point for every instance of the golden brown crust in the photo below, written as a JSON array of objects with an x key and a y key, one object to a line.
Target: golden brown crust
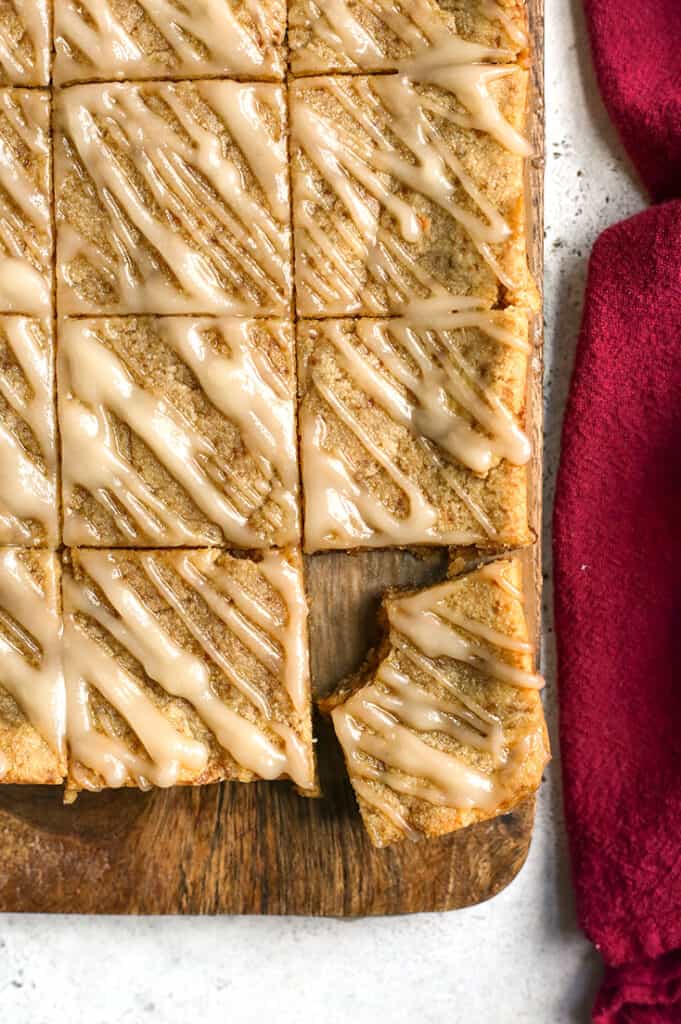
[
  {"x": 29, "y": 513},
  {"x": 25, "y": 50},
  {"x": 133, "y": 39},
  {"x": 339, "y": 408},
  {"x": 172, "y": 197},
  {"x": 26, "y": 756},
  {"x": 212, "y": 380},
  {"x": 391, "y": 814},
  {"x": 353, "y": 253},
  {"x": 190, "y": 596},
  {"x": 317, "y": 47},
  {"x": 25, "y": 220}
]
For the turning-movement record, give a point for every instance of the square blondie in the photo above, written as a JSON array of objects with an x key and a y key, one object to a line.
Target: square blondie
[
  {"x": 327, "y": 36},
  {"x": 413, "y": 432},
  {"x": 178, "y": 431},
  {"x": 131, "y": 39},
  {"x": 444, "y": 726},
  {"x": 29, "y": 511},
  {"x": 25, "y": 42},
  {"x": 25, "y": 219},
  {"x": 172, "y": 198},
  {"x": 408, "y": 193},
  {"x": 186, "y": 667},
  {"x": 32, "y": 698}
]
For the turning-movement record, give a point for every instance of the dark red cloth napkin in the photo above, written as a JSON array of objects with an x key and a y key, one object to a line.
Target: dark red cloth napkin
[
  {"x": 617, "y": 544},
  {"x": 636, "y": 48}
]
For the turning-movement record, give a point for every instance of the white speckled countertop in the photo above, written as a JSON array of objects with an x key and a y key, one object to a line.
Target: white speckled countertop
[{"x": 518, "y": 958}]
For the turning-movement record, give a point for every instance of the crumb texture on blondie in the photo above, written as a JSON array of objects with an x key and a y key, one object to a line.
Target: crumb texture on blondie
[
  {"x": 105, "y": 39},
  {"x": 28, "y": 455},
  {"x": 178, "y": 431},
  {"x": 186, "y": 667},
  {"x": 32, "y": 698},
  {"x": 380, "y": 35},
  {"x": 172, "y": 198},
  {"x": 408, "y": 189},
  {"x": 412, "y": 430},
  {"x": 24, "y": 42},
  {"x": 448, "y": 728},
  {"x": 25, "y": 222}
]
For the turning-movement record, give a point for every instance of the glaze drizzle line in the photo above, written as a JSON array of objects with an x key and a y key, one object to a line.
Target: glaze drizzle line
[
  {"x": 167, "y": 38},
  {"x": 30, "y": 643},
  {"x": 390, "y": 728},
  {"x": 28, "y": 492},
  {"x": 172, "y": 198},
  {"x": 375, "y": 35},
  {"x": 254, "y": 730},
  {"x": 414, "y": 370},
  {"x": 25, "y": 224},
  {"x": 373, "y": 164},
  {"x": 243, "y": 485}
]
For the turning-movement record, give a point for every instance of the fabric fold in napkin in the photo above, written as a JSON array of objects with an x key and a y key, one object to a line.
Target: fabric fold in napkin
[
  {"x": 617, "y": 544},
  {"x": 636, "y": 46}
]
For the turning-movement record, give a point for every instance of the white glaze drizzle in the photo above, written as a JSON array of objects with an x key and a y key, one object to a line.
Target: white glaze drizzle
[
  {"x": 354, "y": 163},
  {"x": 441, "y": 380},
  {"x": 208, "y": 37},
  {"x": 25, "y": 42},
  {"x": 27, "y": 486},
  {"x": 177, "y": 671},
  {"x": 430, "y": 622},
  {"x": 370, "y": 733},
  {"x": 278, "y": 640},
  {"x": 460, "y": 717},
  {"x": 378, "y": 725},
  {"x": 415, "y": 26},
  {"x": 242, "y": 385},
  {"x": 340, "y": 509},
  {"x": 222, "y": 237},
  {"x": 496, "y": 571},
  {"x": 378, "y": 801},
  {"x": 29, "y": 619},
  {"x": 25, "y": 228},
  {"x": 513, "y": 29},
  {"x": 448, "y": 66}
]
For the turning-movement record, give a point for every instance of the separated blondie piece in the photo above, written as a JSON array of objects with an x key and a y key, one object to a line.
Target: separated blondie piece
[
  {"x": 25, "y": 42},
  {"x": 445, "y": 727},
  {"x": 32, "y": 699},
  {"x": 412, "y": 432},
  {"x": 380, "y": 35},
  {"x": 105, "y": 39},
  {"x": 178, "y": 431},
  {"x": 29, "y": 513},
  {"x": 408, "y": 191},
  {"x": 185, "y": 667},
  {"x": 172, "y": 198},
  {"x": 25, "y": 222}
]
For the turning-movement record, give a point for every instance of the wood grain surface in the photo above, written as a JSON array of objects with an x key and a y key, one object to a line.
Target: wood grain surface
[{"x": 262, "y": 849}]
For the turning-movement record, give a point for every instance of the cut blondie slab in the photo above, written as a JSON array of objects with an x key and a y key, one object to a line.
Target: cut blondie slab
[
  {"x": 186, "y": 667},
  {"x": 109, "y": 39},
  {"x": 178, "y": 431},
  {"x": 445, "y": 727},
  {"x": 412, "y": 432},
  {"x": 172, "y": 198},
  {"x": 32, "y": 698},
  {"x": 409, "y": 190},
  {"x": 379, "y": 35},
  {"x": 29, "y": 513},
  {"x": 25, "y": 42},
  {"x": 25, "y": 221}
]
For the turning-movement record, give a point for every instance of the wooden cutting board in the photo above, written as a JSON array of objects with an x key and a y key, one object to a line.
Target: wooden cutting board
[{"x": 262, "y": 849}]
